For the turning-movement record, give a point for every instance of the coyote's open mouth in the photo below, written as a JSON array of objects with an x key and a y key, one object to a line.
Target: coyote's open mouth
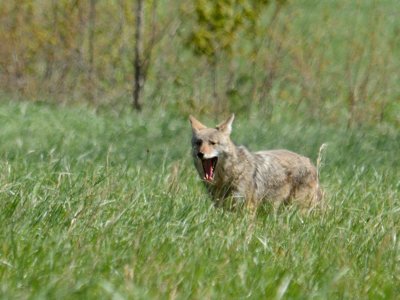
[{"x": 209, "y": 168}]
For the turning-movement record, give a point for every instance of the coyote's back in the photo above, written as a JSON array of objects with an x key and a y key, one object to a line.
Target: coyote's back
[{"x": 229, "y": 171}]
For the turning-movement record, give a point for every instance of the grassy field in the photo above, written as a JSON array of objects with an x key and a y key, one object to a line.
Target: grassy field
[
  {"x": 99, "y": 202},
  {"x": 107, "y": 205}
]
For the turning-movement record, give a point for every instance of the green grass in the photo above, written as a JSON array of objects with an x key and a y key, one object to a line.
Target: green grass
[{"x": 108, "y": 205}]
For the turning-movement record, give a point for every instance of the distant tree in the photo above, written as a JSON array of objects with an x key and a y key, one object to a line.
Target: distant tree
[
  {"x": 92, "y": 24},
  {"x": 144, "y": 48},
  {"x": 138, "y": 60},
  {"x": 216, "y": 29}
]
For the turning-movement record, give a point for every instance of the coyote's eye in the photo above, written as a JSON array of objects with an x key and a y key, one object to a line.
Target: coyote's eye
[
  {"x": 198, "y": 142},
  {"x": 212, "y": 143}
]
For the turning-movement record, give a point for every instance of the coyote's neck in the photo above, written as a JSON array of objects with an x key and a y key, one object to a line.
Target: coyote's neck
[{"x": 233, "y": 169}]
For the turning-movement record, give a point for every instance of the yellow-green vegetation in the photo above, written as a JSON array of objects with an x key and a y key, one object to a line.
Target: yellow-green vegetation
[{"x": 336, "y": 60}]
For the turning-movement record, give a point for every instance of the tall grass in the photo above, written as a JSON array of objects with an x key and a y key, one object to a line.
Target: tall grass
[{"x": 108, "y": 205}]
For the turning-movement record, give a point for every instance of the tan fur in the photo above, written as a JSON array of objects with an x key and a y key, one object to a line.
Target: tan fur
[{"x": 277, "y": 176}]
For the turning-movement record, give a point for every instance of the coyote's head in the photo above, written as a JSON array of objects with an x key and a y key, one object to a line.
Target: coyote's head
[{"x": 210, "y": 146}]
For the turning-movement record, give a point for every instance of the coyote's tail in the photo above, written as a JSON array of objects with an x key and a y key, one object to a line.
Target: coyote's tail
[
  {"x": 320, "y": 194},
  {"x": 319, "y": 160}
]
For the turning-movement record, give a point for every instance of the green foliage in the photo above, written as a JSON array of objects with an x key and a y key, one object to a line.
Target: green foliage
[
  {"x": 334, "y": 61},
  {"x": 99, "y": 206},
  {"x": 218, "y": 24}
]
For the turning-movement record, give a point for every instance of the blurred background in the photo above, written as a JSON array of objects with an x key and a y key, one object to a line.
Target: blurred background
[{"x": 333, "y": 61}]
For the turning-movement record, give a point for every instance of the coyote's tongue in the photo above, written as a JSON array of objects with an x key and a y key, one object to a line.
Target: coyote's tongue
[{"x": 208, "y": 169}]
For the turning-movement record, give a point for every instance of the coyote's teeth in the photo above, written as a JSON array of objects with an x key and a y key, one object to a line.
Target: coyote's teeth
[{"x": 209, "y": 168}]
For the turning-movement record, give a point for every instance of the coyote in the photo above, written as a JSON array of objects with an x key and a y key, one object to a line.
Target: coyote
[{"x": 233, "y": 172}]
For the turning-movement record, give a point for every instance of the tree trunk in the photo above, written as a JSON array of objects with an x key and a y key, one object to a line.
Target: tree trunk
[
  {"x": 50, "y": 49},
  {"x": 90, "y": 75},
  {"x": 215, "y": 84},
  {"x": 138, "y": 63},
  {"x": 92, "y": 21}
]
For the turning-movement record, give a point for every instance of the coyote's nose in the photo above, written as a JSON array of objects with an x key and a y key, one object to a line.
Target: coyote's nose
[{"x": 200, "y": 155}]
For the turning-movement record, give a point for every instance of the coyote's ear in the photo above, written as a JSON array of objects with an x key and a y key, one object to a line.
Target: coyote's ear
[
  {"x": 196, "y": 124},
  {"x": 226, "y": 126}
]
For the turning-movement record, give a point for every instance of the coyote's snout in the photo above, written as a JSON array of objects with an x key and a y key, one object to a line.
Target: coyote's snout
[{"x": 278, "y": 176}]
